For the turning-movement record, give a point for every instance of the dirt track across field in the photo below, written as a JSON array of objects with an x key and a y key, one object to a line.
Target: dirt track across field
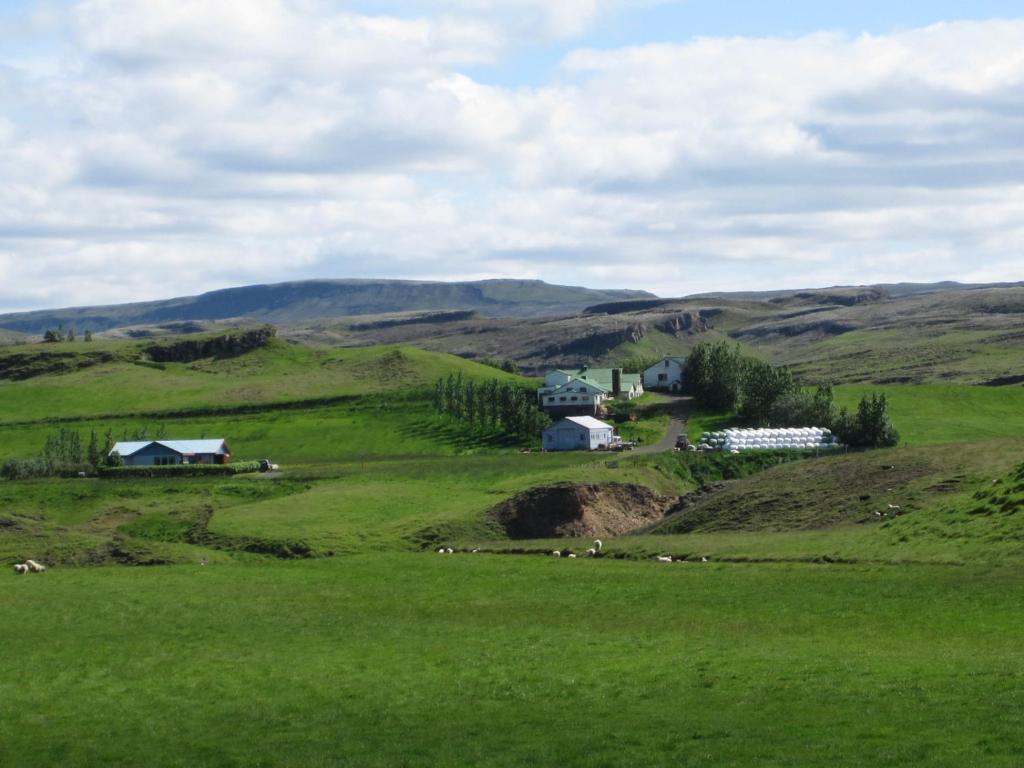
[{"x": 680, "y": 412}]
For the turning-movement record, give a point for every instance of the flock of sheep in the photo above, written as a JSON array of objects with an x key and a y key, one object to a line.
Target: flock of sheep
[
  {"x": 29, "y": 566},
  {"x": 594, "y": 551}
]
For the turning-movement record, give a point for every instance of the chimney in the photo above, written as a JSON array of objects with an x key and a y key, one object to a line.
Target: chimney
[{"x": 616, "y": 382}]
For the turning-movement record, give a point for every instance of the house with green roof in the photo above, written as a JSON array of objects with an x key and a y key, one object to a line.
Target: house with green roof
[{"x": 582, "y": 392}]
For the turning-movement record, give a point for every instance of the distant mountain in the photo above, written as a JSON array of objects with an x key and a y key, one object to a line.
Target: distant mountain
[
  {"x": 289, "y": 303},
  {"x": 893, "y": 290}
]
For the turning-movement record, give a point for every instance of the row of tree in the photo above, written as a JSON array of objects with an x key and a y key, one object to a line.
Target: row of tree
[
  {"x": 721, "y": 378},
  {"x": 60, "y": 333},
  {"x": 68, "y": 452},
  {"x": 490, "y": 404}
]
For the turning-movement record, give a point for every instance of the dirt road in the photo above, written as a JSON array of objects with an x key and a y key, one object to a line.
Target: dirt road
[{"x": 680, "y": 410}]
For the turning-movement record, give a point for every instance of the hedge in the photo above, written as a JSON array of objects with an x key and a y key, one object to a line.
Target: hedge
[{"x": 181, "y": 470}]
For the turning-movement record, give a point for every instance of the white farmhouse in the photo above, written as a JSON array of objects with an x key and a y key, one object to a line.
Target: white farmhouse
[
  {"x": 578, "y": 433},
  {"x": 666, "y": 375},
  {"x": 581, "y": 393}
]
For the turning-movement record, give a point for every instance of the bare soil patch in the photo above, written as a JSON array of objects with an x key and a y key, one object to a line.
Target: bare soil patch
[{"x": 569, "y": 510}]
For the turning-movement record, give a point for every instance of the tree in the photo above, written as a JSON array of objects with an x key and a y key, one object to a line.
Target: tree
[
  {"x": 714, "y": 375},
  {"x": 94, "y": 454},
  {"x": 114, "y": 460},
  {"x": 87, "y": 336},
  {"x": 70, "y": 334},
  {"x": 870, "y": 426},
  {"x": 762, "y": 386}
]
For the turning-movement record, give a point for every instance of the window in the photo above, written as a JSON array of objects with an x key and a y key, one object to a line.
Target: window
[
  {"x": 662, "y": 377},
  {"x": 582, "y": 437},
  {"x": 561, "y": 399},
  {"x": 574, "y": 398},
  {"x": 666, "y": 363},
  {"x": 551, "y": 399}
]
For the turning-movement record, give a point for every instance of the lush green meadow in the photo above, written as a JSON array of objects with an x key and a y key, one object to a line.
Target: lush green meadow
[
  {"x": 324, "y": 629},
  {"x": 481, "y": 660},
  {"x": 946, "y": 413}
]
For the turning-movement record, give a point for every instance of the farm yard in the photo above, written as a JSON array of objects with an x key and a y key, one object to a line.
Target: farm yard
[{"x": 857, "y": 609}]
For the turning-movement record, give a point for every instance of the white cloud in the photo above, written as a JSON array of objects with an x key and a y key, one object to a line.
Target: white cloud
[{"x": 167, "y": 147}]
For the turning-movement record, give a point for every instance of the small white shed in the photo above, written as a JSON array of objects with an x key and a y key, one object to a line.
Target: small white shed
[{"x": 578, "y": 433}]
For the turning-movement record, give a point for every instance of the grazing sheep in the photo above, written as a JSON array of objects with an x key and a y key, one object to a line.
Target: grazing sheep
[
  {"x": 571, "y": 555},
  {"x": 703, "y": 559},
  {"x": 449, "y": 551},
  {"x": 598, "y": 544},
  {"x": 894, "y": 506},
  {"x": 475, "y": 551},
  {"x": 591, "y": 552},
  {"x": 440, "y": 551},
  {"x": 664, "y": 559},
  {"x": 34, "y": 566},
  {"x": 20, "y": 568},
  {"x": 557, "y": 553}
]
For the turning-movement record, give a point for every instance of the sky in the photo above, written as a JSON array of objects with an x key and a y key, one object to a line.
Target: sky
[{"x": 157, "y": 148}]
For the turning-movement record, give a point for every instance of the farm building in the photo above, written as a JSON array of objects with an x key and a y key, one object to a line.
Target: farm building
[
  {"x": 666, "y": 374},
  {"x": 578, "y": 433},
  {"x": 581, "y": 393},
  {"x": 147, "y": 453}
]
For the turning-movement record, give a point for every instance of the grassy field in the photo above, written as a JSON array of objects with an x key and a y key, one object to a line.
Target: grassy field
[
  {"x": 476, "y": 660},
  {"x": 325, "y": 630},
  {"x": 946, "y": 413}
]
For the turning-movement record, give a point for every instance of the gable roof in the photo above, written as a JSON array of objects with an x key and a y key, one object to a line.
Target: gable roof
[
  {"x": 602, "y": 377},
  {"x": 217, "y": 446},
  {"x": 588, "y": 421}
]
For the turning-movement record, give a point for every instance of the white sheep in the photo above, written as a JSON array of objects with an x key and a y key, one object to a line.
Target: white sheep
[
  {"x": 441, "y": 551},
  {"x": 664, "y": 559},
  {"x": 557, "y": 553},
  {"x": 571, "y": 555},
  {"x": 35, "y": 567},
  {"x": 449, "y": 551},
  {"x": 591, "y": 552},
  {"x": 894, "y": 506},
  {"x": 598, "y": 544},
  {"x": 20, "y": 568},
  {"x": 475, "y": 551},
  {"x": 703, "y": 559}
]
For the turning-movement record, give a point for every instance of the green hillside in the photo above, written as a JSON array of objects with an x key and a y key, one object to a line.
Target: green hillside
[{"x": 305, "y": 617}]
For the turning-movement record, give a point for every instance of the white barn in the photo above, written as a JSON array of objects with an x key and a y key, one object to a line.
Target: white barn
[
  {"x": 578, "y": 433},
  {"x": 666, "y": 375}
]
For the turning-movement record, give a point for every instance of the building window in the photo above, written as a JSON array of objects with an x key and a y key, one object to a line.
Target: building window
[
  {"x": 551, "y": 399},
  {"x": 561, "y": 399},
  {"x": 662, "y": 377},
  {"x": 574, "y": 398},
  {"x": 582, "y": 437}
]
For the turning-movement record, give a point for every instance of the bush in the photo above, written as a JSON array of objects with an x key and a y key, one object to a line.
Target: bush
[
  {"x": 870, "y": 427},
  {"x": 181, "y": 470},
  {"x": 22, "y": 469}
]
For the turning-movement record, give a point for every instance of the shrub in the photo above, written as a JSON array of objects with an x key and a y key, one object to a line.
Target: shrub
[{"x": 181, "y": 470}]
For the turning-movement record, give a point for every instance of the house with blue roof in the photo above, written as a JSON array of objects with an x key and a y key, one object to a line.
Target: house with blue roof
[{"x": 150, "y": 453}]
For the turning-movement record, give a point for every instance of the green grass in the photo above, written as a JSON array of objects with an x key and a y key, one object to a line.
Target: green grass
[
  {"x": 374, "y": 652},
  {"x": 928, "y": 414},
  {"x": 278, "y": 373},
  {"x": 475, "y": 660},
  {"x": 911, "y": 354}
]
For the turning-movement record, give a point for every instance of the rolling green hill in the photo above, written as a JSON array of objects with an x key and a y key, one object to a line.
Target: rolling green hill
[{"x": 305, "y": 617}]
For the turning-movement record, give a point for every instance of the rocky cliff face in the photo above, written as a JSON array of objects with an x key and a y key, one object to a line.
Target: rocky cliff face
[{"x": 224, "y": 345}]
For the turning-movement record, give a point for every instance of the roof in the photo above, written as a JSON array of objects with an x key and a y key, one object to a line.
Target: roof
[
  {"x": 589, "y": 422},
  {"x": 602, "y": 377},
  {"x": 128, "y": 448},
  {"x": 661, "y": 363}
]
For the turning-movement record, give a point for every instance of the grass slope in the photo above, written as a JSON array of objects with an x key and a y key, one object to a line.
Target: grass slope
[{"x": 474, "y": 660}]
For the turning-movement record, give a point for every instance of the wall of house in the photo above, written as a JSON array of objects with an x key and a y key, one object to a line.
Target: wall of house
[
  {"x": 673, "y": 373},
  {"x": 152, "y": 455},
  {"x": 573, "y": 437}
]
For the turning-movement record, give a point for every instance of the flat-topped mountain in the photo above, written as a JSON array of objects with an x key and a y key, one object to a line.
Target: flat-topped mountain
[{"x": 289, "y": 303}]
